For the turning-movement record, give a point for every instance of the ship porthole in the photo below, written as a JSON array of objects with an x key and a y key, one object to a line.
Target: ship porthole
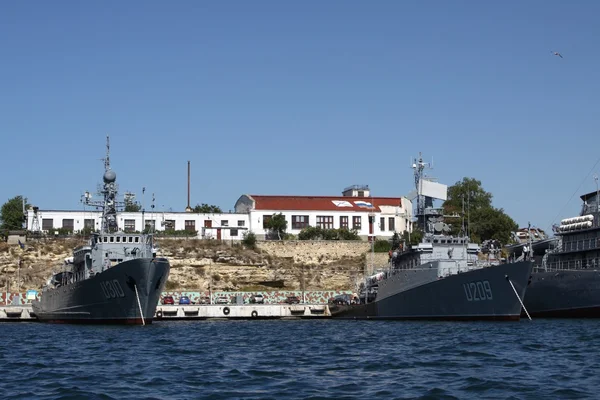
[
  {"x": 226, "y": 311},
  {"x": 254, "y": 314}
]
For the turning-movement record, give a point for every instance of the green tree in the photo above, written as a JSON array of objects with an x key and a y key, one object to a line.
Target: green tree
[
  {"x": 131, "y": 205},
  {"x": 492, "y": 223},
  {"x": 207, "y": 209},
  {"x": 469, "y": 190},
  {"x": 413, "y": 238},
  {"x": 480, "y": 218},
  {"x": 277, "y": 225},
  {"x": 11, "y": 214}
]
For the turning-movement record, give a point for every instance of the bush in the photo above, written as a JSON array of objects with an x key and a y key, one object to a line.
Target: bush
[
  {"x": 382, "y": 246},
  {"x": 318, "y": 233},
  {"x": 249, "y": 240},
  {"x": 176, "y": 233}
]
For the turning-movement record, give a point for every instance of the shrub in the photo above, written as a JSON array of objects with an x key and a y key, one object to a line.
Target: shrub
[
  {"x": 382, "y": 246},
  {"x": 249, "y": 240},
  {"x": 318, "y": 233}
]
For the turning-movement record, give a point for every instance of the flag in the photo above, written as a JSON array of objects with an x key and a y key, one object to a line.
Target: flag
[{"x": 21, "y": 244}]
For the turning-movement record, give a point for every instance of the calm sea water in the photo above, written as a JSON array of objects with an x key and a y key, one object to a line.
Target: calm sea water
[{"x": 316, "y": 359}]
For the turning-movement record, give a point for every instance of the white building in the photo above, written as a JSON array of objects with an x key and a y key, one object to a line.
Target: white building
[
  {"x": 351, "y": 210},
  {"x": 209, "y": 226}
]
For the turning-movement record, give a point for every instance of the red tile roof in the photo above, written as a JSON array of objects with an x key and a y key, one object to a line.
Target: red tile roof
[{"x": 322, "y": 203}]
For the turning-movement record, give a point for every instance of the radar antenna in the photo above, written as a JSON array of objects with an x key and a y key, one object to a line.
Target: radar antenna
[{"x": 109, "y": 191}]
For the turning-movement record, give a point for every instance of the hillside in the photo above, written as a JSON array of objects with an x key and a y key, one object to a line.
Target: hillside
[{"x": 197, "y": 263}]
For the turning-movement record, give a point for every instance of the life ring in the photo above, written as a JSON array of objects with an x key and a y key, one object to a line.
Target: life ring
[
  {"x": 159, "y": 314},
  {"x": 226, "y": 311},
  {"x": 254, "y": 314}
]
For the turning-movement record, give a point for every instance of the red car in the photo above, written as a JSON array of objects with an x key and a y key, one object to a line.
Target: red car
[{"x": 168, "y": 300}]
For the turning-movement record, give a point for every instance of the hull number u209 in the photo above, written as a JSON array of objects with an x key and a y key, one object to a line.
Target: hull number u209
[
  {"x": 478, "y": 291},
  {"x": 112, "y": 289}
]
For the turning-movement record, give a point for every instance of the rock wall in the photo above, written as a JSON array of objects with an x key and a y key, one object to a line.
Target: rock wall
[{"x": 315, "y": 252}]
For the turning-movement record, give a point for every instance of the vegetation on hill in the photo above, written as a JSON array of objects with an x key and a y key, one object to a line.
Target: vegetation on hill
[
  {"x": 481, "y": 219},
  {"x": 11, "y": 214}
]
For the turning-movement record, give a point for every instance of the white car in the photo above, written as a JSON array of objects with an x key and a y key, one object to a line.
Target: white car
[
  {"x": 257, "y": 299},
  {"x": 222, "y": 300}
]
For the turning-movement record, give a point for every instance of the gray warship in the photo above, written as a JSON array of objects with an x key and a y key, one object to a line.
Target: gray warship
[
  {"x": 115, "y": 279},
  {"x": 566, "y": 278},
  {"x": 442, "y": 277}
]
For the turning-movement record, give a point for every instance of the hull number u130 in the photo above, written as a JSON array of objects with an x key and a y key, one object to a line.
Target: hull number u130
[{"x": 478, "y": 291}]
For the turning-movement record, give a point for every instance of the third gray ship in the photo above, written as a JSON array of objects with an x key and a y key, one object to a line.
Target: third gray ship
[
  {"x": 566, "y": 279},
  {"x": 441, "y": 278}
]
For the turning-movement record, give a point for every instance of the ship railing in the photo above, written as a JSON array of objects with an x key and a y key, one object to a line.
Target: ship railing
[
  {"x": 591, "y": 263},
  {"x": 578, "y": 245}
]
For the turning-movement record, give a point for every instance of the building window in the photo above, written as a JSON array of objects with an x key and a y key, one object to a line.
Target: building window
[
  {"x": 344, "y": 222},
  {"x": 88, "y": 224},
  {"x": 150, "y": 225},
  {"x": 233, "y": 232},
  {"x": 224, "y": 223},
  {"x": 356, "y": 222},
  {"x": 382, "y": 224},
  {"x": 325, "y": 221},
  {"x": 241, "y": 223},
  {"x": 190, "y": 225},
  {"x": 129, "y": 225},
  {"x": 391, "y": 224},
  {"x": 266, "y": 219},
  {"x": 68, "y": 224},
  {"x": 47, "y": 224},
  {"x": 299, "y": 221},
  {"x": 170, "y": 224}
]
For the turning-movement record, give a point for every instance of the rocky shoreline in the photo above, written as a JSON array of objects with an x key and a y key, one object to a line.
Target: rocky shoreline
[{"x": 198, "y": 264}]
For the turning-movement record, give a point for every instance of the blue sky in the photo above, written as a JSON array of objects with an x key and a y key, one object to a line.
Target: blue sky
[{"x": 306, "y": 98}]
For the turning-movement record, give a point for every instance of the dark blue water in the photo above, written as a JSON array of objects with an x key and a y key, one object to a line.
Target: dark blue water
[{"x": 316, "y": 359}]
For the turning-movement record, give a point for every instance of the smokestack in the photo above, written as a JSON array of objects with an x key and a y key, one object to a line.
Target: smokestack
[{"x": 188, "y": 208}]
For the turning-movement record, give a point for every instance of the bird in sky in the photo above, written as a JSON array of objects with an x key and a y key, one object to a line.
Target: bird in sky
[{"x": 556, "y": 53}]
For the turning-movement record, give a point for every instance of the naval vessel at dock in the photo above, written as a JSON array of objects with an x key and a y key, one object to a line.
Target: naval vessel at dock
[
  {"x": 114, "y": 279},
  {"x": 566, "y": 279},
  {"x": 440, "y": 278}
]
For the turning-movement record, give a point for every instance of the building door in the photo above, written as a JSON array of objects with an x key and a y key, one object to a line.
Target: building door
[{"x": 218, "y": 233}]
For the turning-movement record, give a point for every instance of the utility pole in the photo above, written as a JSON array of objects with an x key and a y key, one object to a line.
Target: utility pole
[{"x": 303, "y": 295}]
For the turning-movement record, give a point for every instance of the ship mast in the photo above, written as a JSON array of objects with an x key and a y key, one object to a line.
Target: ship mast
[
  {"x": 419, "y": 166},
  {"x": 109, "y": 193}
]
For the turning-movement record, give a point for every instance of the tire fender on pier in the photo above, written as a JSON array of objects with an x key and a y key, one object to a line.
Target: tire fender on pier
[
  {"x": 254, "y": 314},
  {"x": 226, "y": 310}
]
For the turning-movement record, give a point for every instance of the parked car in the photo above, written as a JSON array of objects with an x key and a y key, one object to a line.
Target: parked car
[
  {"x": 204, "y": 300},
  {"x": 222, "y": 300},
  {"x": 257, "y": 299},
  {"x": 184, "y": 300},
  {"x": 168, "y": 300},
  {"x": 342, "y": 299},
  {"x": 292, "y": 300}
]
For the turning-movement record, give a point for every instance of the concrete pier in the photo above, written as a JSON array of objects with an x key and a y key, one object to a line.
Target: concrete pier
[
  {"x": 245, "y": 311},
  {"x": 199, "y": 312},
  {"x": 17, "y": 313}
]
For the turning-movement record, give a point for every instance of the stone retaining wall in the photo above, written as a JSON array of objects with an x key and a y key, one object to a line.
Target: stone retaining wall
[{"x": 314, "y": 252}]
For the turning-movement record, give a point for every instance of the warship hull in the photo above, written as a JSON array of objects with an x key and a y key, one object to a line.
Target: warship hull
[
  {"x": 564, "y": 294},
  {"x": 480, "y": 294},
  {"x": 108, "y": 297}
]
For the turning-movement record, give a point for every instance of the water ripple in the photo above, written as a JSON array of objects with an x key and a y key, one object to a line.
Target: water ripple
[{"x": 316, "y": 359}]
